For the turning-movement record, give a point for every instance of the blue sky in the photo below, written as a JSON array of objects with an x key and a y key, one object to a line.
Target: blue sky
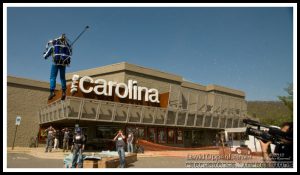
[{"x": 250, "y": 49}]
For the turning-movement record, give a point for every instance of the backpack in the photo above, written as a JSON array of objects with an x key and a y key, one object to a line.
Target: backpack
[{"x": 61, "y": 53}]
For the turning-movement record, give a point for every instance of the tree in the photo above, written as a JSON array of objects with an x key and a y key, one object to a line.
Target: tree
[
  {"x": 274, "y": 112},
  {"x": 288, "y": 100}
]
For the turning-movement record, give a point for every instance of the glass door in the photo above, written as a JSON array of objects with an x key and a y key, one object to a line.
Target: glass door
[
  {"x": 152, "y": 135},
  {"x": 170, "y": 135},
  {"x": 162, "y": 135}
]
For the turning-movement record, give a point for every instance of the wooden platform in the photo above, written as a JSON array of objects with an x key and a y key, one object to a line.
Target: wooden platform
[{"x": 109, "y": 162}]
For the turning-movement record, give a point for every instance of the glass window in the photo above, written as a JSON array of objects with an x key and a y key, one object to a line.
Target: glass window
[
  {"x": 179, "y": 136},
  {"x": 141, "y": 133},
  {"x": 162, "y": 135},
  {"x": 152, "y": 134},
  {"x": 236, "y": 136},
  {"x": 130, "y": 129},
  {"x": 229, "y": 135},
  {"x": 106, "y": 132},
  {"x": 244, "y": 136},
  {"x": 170, "y": 135}
]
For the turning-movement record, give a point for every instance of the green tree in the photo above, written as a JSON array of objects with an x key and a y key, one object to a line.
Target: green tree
[
  {"x": 288, "y": 100},
  {"x": 273, "y": 112}
]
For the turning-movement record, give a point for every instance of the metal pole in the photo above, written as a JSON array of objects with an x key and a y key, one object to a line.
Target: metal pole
[
  {"x": 15, "y": 137},
  {"x": 86, "y": 27}
]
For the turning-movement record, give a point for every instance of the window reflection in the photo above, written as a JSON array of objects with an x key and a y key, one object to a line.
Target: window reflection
[
  {"x": 179, "y": 136},
  {"x": 162, "y": 135},
  {"x": 152, "y": 135},
  {"x": 106, "y": 132},
  {"x": 170, "y": 136}
]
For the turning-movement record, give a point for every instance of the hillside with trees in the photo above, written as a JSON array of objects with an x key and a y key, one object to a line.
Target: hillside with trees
[
  {"x": 274, "y": 112},
  {"x": 269, "y": 112}
]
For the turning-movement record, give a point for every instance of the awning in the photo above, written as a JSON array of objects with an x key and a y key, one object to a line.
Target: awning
[{"x": 83, "y": 109}]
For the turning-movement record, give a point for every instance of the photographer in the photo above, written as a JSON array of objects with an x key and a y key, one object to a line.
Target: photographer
[
  {"x": 282, "y": 152},
  {"x": 119, "y": 138}
]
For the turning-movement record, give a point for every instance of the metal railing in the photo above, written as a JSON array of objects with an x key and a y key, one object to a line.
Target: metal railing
[{"x": 106, "y": 111}]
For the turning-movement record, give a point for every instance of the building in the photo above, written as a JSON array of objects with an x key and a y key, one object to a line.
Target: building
[{"x": 157, "y": 106}]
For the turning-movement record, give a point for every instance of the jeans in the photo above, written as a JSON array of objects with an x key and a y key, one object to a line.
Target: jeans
[
  {"x": 130, "y": 147},
  {"x": 49, "y": 143},
  {"x": 121, "y": 153},
  {"x": 77, "y": 156},
  {"x": 53, "y": 75},
  {"x": 55, "y": 143},
  {"x": 65, "y": 144}
]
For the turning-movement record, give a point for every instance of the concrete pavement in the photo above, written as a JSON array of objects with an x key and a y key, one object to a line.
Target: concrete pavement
[
  {"x": 22, "y": 157},
  {"x": 59, "y": 154}
]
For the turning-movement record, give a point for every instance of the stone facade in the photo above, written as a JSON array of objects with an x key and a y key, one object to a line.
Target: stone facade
[{"x": 24, "y": 98}]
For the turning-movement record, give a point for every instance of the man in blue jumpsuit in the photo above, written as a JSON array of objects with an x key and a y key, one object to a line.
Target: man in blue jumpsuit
[{"x": 61, "y": 52}]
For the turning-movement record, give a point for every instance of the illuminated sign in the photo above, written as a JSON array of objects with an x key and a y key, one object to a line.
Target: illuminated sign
[{"x": 130, "y": 90}]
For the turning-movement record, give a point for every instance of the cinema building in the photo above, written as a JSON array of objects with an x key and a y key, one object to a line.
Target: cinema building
[{"x": 157, "y": 106}]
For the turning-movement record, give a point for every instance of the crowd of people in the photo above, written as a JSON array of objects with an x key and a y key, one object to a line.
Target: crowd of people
[
  {"x": 77, "y": 140},
  {"x": 56, "y": 137}
]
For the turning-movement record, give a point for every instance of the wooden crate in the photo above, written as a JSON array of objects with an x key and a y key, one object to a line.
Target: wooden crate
[
  {"x": 90, "y": 163},
  {"x": 109, "y": 162}
]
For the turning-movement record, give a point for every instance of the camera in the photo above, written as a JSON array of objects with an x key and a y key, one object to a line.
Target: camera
[{"x": 269, "y": 133}]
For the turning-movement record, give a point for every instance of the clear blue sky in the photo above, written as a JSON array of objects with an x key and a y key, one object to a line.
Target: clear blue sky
[{"x": 249, "y": 49}]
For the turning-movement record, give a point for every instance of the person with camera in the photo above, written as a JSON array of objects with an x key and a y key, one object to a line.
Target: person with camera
[
  {"x": 50, "y": 137},
  {"x": 120, "y": 144},
  {"x": 283, "y": 151}
]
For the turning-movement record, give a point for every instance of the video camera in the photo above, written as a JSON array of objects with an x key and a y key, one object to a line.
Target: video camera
[{"x": 270, "y": 133}]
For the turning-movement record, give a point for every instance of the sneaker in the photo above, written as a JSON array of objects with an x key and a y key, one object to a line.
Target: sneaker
[{"x": 52, "y": 94}]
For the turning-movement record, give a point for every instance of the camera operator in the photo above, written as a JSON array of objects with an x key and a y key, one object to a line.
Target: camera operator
[{"x": 282, "y": 152}]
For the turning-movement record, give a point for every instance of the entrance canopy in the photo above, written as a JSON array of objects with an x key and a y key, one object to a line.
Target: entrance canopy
[{"x": 77, "y": 108}]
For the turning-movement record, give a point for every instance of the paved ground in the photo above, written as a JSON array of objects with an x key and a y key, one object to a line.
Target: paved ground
[
  {"x": 159, "y": 162},
  {"x": 22, "y": 160},
  {"x": 37, "y": 158},
  {"x": 58, "y": 154}
]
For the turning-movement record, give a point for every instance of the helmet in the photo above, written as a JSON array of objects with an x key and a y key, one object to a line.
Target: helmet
[
  {"x": 62, "y": 37},
  {"x": 78, "y": 130}
]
